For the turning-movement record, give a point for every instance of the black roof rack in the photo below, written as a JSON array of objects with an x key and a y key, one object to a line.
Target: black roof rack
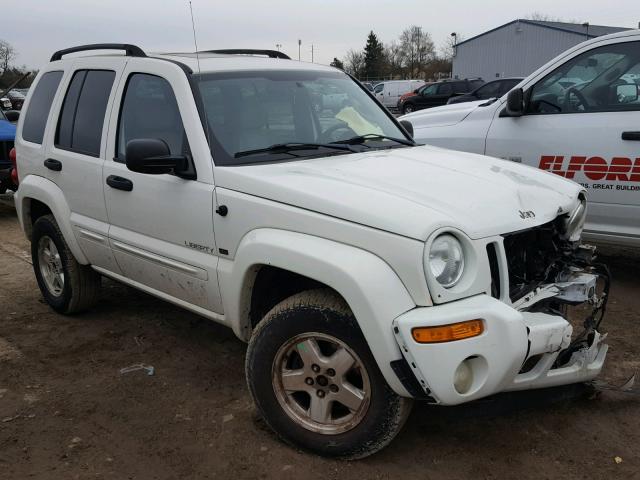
[
  {"x": 130, "y": 50},
  {"x": 249, "y": 51}
]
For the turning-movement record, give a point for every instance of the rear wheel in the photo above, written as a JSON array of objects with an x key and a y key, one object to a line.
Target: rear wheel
[
  {"x": 67, "y": 286},
  {"x": 315, "y": 381}
]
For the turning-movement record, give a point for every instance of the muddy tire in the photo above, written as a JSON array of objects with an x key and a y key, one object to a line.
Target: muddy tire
[
  {"x": 67, "y": 286},
  {"x": 315, "y": 382}
]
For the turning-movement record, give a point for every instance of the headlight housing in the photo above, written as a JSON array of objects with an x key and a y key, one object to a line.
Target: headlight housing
[
  {"x": 575, "y": 223},
  {"x": 445, "y": 260}
]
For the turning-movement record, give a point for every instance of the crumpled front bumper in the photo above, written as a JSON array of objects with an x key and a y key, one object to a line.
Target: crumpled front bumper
[{"x": 517, "y": 350}]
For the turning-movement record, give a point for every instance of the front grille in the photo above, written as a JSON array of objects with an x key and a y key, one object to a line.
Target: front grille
[
  {"x": 492, "y": 252},
  {"x": 531, "y": 256}
]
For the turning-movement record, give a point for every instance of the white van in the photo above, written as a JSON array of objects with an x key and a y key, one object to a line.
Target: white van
[{"x": 388, "y": 93}]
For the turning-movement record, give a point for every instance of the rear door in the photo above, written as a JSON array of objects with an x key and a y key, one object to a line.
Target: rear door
[
  {"x": 582, "y": 122},
  {"x": 161, "y": 226},
  {"x": 75, "y": 157}
]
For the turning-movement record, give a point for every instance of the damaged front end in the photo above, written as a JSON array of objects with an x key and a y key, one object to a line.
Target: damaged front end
[{"x": 559, "y": 287}]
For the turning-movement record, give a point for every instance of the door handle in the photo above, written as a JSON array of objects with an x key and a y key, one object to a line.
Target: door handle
[
  {"x": 631, "y": 135},
  {"x": 51, "y": 164},
  {"x": 119, "y": 183}
]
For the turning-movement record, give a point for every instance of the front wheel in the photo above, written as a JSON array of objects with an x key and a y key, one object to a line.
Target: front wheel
[
  {"x": 408, "y": 108},
  {"x": 316, "y": 383}
]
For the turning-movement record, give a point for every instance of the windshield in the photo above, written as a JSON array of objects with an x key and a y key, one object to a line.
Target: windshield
[{"x": 251, "y": 111}]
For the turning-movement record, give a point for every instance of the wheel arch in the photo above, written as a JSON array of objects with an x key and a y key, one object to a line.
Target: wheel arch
[
  {"x": 368, "y": 285},
  {"x": 39, "y": 196}
]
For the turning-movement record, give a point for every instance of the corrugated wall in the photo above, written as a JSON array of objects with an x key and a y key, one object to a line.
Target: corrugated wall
[{"x": 514, "y": 50}]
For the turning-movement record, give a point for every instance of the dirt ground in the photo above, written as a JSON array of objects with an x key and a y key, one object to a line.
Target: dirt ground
[{"x": 67, "y": 412}]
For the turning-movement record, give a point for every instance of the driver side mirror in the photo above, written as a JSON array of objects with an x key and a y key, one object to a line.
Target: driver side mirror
[
  {"x": 12, "y": 115},
  {"x": 152, "y": 156},
  {"x": 515, "y": 103},
  {"x": 627, "y": 93}
]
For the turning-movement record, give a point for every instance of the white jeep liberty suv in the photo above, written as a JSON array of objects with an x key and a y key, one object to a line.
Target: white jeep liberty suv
[{"x": 364, "y": 270}]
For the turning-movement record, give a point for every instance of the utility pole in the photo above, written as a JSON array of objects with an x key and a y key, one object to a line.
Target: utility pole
[
  {"x": 312, "y": 53},
  {"x": 586, "y": 26},
  {"x": 454, "y": 35},
  {"x": 299, "y": 44}
]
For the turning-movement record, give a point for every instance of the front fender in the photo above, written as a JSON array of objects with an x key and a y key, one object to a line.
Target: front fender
[
  {"x": 34, "y": 187},
  {"x": 370, "y": 287}
]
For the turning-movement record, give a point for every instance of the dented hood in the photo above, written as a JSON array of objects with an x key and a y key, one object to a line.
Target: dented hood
[
  {"x": 442, "y": 116},
  {"x": 412, "y": 191}
]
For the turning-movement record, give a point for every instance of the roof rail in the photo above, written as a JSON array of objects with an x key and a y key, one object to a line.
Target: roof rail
[
  {"x": 250, "y": 51},
  {"x": 130, "y": 50}
]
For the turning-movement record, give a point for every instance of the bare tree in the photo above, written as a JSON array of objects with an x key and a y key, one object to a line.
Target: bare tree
[
  {"x": 393, "y": 54},
  {"x": 448, "y": 49},
  {"x": 354, "y": 63},
  {"x": 543, "y": 17},
  {"x": 7, "y": 54},
  {"x": 417, "y": 50}
]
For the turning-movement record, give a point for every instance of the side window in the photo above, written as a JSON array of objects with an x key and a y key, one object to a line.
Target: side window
[
  {"x": 82, "y": 115},
  {"x": 378, "y": 88},
  {"x": 430, "y": 90},
  {"x": 600, "y": 80},
  {"x": 35, "y": 120},
  {"x": 150, "y": 110},
  {"x": 445, "y": 89}
]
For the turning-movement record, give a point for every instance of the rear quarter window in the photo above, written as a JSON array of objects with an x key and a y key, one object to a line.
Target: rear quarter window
[{"x": 35, "y": 120}]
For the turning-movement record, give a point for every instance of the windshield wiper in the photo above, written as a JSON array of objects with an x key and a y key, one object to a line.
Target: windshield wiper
[
  {"x": 360, "y": 139},
  {"x": 293, "y": 146}
]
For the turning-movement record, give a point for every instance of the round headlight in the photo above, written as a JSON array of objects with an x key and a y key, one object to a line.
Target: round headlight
[
  {"x": 446, "y": 260},
  {"x": 575, "y": 223}
]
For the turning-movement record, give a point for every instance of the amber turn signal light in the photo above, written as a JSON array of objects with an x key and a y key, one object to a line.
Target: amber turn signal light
[{"x": 448, "y": 333}]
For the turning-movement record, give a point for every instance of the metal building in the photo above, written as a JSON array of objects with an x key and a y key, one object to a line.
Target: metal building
[{"x": 517, "y": 48}]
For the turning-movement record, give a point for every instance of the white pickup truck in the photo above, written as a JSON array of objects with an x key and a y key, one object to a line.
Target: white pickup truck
[
  {"x": 363, "y": 270},
  {"x": 578, "y": 117}
]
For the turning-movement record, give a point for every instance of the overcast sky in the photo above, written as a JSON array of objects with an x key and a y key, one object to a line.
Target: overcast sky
[{"x": 36, "y": 28}]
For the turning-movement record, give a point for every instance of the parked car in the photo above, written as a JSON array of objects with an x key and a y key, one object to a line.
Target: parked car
[
  {"x": 390, "y": 91},
  {"x": 16, "y": 98},
  {"x": 493, "y": 89},
  {"x": 7, "y": 154},
  {"x": 363, "y": 269},
  {"x": 417, "y": 91},
  {"x": 5, "y": 103},
  {"x": 368, "y": 85},
  {"x": 438, "y": 94},
  {"x": 578, "y": 116}
]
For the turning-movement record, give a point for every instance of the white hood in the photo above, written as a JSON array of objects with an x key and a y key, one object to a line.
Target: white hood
[
  {"x": 412, "y": 191},
  {"x": 442, "y": 116}
]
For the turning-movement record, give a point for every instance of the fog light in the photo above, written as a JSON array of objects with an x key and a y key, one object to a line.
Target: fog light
[{"x": 463, "y": 377}]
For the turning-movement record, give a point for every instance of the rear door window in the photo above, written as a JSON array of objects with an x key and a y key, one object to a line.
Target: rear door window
[
  {"x": 83, "y": 111},
  {"x": 445, "y": 89},
  {"x": 36, "y": 116}
]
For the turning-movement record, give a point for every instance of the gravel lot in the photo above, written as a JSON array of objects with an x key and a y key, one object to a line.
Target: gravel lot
[{"x": 67, "y": 412}]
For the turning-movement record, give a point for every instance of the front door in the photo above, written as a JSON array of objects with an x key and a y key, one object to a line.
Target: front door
[
  {"x": 582, "y": 122},
  {"x": 161, "y": 226}
]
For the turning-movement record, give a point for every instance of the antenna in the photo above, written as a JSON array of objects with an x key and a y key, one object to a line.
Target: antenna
[
  {"x": 195, "y": 39},
  {"x": 204, "y": 111}
]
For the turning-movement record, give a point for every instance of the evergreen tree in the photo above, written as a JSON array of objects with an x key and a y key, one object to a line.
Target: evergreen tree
[{"x": 374, "y": 59}]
